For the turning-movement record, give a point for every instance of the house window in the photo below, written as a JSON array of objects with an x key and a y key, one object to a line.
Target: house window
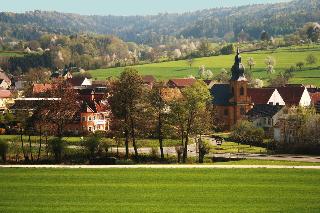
[
  {"x": 89, "y": 118},
  {"x": 270, "y": 103},
  {"x": 94, "y": 117},
  {"x": 90, "y": 129},
  {"x": 83, "y": 118},
  {"x": 226, "y": 112},
  {"x": 241, "y": 91}
]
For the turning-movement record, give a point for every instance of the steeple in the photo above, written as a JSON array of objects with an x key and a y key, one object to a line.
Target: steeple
[{"x": 237, "y": 69}]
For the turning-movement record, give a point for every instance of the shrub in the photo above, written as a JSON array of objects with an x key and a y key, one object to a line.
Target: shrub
[
  {"x": 4, "y": 146},
  {"x": 204, "y": 149},
  {"x": 311, "y": 59},
  {"x": 246, "y": 133},
  {"x": 228, "y": 50},
  {"x": 56, "y": 146},
  {"x": 92, "y": 145}
]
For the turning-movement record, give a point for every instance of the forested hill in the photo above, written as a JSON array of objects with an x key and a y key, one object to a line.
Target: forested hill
[{"x": 228, "y": 23}]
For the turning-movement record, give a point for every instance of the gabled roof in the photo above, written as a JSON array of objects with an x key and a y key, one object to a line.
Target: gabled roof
[
  {"x": 260, "y": 95},
  {"x": 181, "y": 82},
  {"x": 221, "y": 94},
  {"x": 41, "y": 88},
  {"x": 148, "y": 79},
  {"x": 291, "y": 94},
  {"x": 5, "y": 77},
  {"x": 93, "y": 106},
  {"x": 264, "y": 110},
  {"x": 5, "y": 93}
]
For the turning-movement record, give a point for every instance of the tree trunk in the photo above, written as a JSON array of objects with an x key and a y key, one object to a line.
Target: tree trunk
[
  {"x": 160, "y": 136},
  {"x": 133, "y": 136},
  {"x": 185, "y": 150},
  {"x": 40, "y": 143},
  {"x": 126, "y": 135},
  {"x": 22, "y": 147},
  {"x": 30, "y": 147}
]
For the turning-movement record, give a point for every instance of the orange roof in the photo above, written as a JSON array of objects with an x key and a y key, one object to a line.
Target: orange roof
[
  {"x": 40, "y": 88},
  {"x": 5, "y": 94},
  {"x": 181, "y": 82}
]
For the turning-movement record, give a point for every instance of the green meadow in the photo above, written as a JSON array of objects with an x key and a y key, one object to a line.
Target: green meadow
[
  {"x": 11, "y": 54},
  {"x": 285, "y": 57},
  {"x": 159, "y": 190}
]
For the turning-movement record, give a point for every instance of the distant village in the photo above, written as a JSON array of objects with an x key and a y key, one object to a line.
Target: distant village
[{"x": 266, "y": 107}]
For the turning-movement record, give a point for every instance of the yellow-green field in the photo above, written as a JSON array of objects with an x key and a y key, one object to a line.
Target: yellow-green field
[
  {"x": 285, "y": 57},
  {"x": 159, "y": 190}
]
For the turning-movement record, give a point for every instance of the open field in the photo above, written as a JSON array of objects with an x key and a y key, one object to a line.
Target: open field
[
  {"x": 159, "y": 190},
  {"x": 11, "y": 54},
  {"x": 285, "y": 57},
  {"x": 267, "y": 162}
]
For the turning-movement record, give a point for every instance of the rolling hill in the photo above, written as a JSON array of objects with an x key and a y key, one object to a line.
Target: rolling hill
[
  {"x": 285, "y": 57},
  {"x": 277, "y": 19}
]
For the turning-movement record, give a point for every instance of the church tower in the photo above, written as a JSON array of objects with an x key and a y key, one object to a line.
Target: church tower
[{"x": 239, "y": 101}]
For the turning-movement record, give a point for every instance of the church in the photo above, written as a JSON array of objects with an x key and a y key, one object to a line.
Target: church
[{"x": 232, "y": 101}]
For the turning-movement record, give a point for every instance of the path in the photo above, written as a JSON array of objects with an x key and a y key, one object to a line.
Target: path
[{"x": 159, "y": 166}]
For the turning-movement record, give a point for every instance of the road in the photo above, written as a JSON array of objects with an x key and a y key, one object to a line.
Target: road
[{"x": 161, "y": 166}]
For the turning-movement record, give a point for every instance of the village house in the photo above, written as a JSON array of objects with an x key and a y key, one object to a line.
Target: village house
[
  {"x": 94, "y": 113},
  {"x": 269, "y": 96},
  {"x": 181, "y": 82},
  {"x": 5, "y": 81},
  {"x": 265, "y": 116},
  {"x": 149, "y": 81},
  {"x": 6, "y": 99},
  {"x": 80, "y": 82}
]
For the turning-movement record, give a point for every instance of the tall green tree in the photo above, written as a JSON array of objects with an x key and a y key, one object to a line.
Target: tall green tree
[
  {"x": 188, "y": 109},
  {"x": 125, "y": 103}
]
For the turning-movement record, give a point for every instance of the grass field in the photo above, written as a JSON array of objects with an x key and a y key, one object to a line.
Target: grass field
[
  {"x": 159, "y": 190},
  {"x": 77, "y": 141},
  {"x": 11, "y": 54},
  {"x": 285, "y": 57}
]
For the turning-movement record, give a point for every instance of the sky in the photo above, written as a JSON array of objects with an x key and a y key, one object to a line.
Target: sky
[{"x": 122, "y": 7}]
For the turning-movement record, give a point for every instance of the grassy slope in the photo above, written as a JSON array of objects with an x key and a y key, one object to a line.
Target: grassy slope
[
  {"x": 161, "y": 190},
  {"x": 285, "y": 57}
]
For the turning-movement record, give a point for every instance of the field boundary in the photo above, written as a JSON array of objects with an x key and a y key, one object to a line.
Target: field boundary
[{"x": 173, "y": 166}]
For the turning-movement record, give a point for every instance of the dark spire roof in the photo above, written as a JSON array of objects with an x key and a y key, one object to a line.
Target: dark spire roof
[{"x": 237, "y": 69}]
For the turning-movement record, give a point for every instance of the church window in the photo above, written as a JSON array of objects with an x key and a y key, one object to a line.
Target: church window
[{"x": 241, "y": 91}]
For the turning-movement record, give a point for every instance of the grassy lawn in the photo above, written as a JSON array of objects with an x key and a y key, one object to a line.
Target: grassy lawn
[
  {"x": 285, "y": 57},
  {"x": 159, "y": 190},
  {"x": 267, "y": 162},
  {"x": 232, "y": 147},
  {"x": 77, "y": 140}
]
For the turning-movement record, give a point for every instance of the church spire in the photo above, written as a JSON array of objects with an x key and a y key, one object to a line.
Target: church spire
[{"x": 237, "y": 69}]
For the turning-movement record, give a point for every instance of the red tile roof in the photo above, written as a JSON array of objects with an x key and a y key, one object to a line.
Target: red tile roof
[
  {"x": 181, "y": 82},
  {"x": 260, "y": 95},
  {"x": 5, "y": 93},
  {"x": 40, "y": 88},
  {"x": 315, "y": 97}
]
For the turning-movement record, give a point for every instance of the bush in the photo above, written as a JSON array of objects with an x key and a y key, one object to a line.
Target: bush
[
  {"x": 56, "y": 146},
  {"x": 92, "y": 145},
  {"x": 311, "y": 59},
  {"x": 245, "y": 132},
  {"x": 4, "y": 146},
  {"x": 228, "y": 50}
]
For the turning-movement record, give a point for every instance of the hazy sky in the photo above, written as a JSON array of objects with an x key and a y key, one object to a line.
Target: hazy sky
[{"x": 121, "y": 7}]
